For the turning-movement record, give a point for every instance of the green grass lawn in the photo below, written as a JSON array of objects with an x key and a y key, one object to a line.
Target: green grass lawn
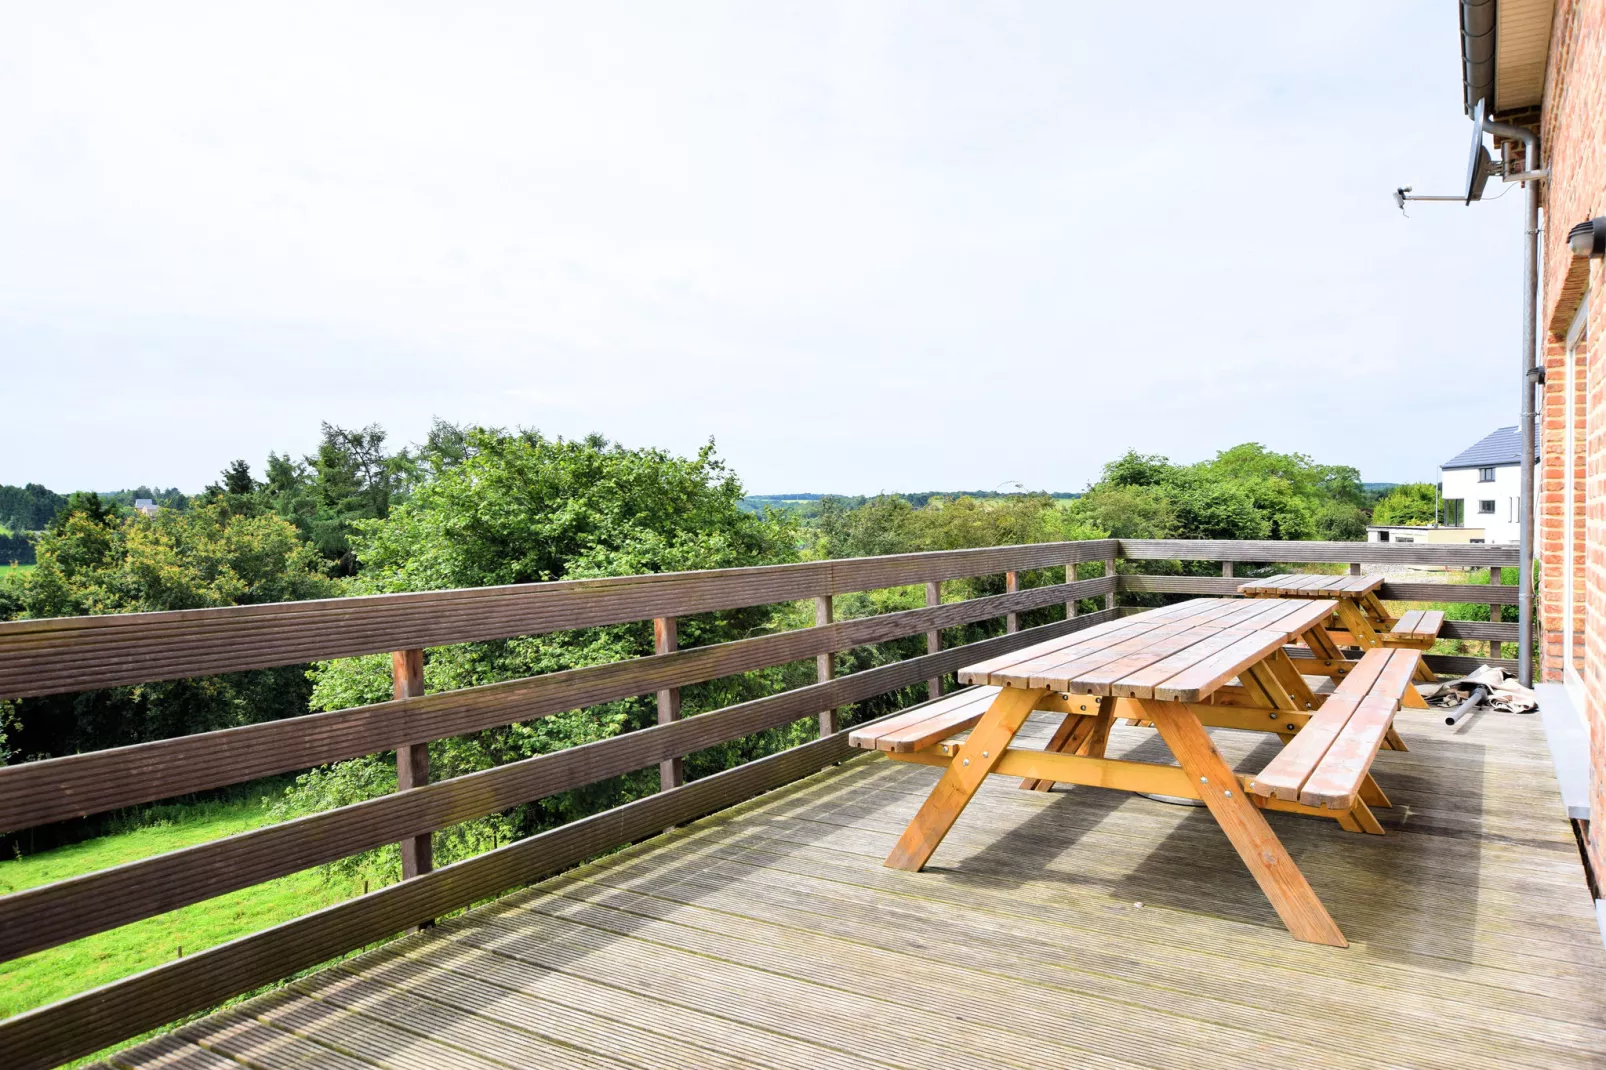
[
  {"x": 52, "y": 974},
  {"x": 4, "y": 569}
]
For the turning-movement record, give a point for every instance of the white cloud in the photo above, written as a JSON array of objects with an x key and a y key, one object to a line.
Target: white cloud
[{"x": 895, "y": 246}]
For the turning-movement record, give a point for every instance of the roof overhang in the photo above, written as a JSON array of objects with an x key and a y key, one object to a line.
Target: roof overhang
[{"x": 1504, "y": 48}]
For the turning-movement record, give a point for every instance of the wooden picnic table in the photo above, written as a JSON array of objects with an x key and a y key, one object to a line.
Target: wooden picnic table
[
  {"x": 1207, "y": 662},
  {"x": 1363, "y": 619}
]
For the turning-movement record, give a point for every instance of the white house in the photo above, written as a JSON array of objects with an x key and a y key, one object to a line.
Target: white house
[
  {"x": 1478, "y": 496},
  {"x": 1483, "y": 481}
]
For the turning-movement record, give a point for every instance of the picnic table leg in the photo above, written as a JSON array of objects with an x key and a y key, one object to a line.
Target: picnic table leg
[
  {"x": 1264, "y": 855},
  {"x": 1070, "y": 735},
  {"x": 1358, "y": 624},
  {"x": 1327, "y": 653},
  {"x": 976, "y": 758},
  {"x": 1100, "y": 739},
  {"x": 1411, "y": 700},
  {"x": 1378, "y": 611},
  {"x": 1079, "y": 733}
]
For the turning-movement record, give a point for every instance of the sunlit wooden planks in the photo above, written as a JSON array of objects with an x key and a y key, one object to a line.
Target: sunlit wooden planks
[{"x": 715, "y": 934}]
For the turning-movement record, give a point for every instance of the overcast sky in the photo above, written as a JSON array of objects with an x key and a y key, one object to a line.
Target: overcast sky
[{"x": 898, "y": 246}]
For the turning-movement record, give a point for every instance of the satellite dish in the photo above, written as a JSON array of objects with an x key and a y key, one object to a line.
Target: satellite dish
[{"x": 1479, "y": 164}]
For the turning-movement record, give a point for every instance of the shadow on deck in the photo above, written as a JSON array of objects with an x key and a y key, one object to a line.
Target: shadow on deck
[{"x": 1078, "y": 928}]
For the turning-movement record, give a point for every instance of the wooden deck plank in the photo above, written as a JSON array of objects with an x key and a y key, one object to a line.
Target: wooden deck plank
[
  {"x": 502, "y": 985},
  {"x": 783, "y": 912},
  {"x": 771, "y": 935}
]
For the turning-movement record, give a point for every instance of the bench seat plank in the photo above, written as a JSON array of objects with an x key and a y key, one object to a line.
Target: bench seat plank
[
  {"x": 927, "y": 724},
  {"x": 1327, "y": 762},
  {"x": 1418, "y": 625},
  {"x": 1337, "y": 780},
  {"x": 1285, "y": 774}
]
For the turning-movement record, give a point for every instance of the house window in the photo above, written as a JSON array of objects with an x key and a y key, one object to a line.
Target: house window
[
  {"x": 1486, "y": 475},
  {"x": 1405, "y": 538},
  {"x": 1476, "y": 541},
  {"x": 1382, "y": 536},
  {"x": 1486, "y": 505}
]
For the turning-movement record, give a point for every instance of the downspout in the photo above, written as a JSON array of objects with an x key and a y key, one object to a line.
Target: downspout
[{"x": 1530, "y": 378}]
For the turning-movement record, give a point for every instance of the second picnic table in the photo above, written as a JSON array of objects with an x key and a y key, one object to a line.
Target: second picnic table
[
  {"x": 1207, "y": 662},
  {"x": 1364, "y": 620}
]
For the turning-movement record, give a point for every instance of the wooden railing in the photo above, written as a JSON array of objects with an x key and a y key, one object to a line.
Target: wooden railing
[{"x": 73, "y": 654}]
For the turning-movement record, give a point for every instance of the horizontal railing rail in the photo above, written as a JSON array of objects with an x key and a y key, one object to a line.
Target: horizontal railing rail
[
  {"x": 81, "y": 784},
  {"x": 74, "y": 654},
  {"x": 1459, "y": 555},
  {"x": 56, "y": 655}
]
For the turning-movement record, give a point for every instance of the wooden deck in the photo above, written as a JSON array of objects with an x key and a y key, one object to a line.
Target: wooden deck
[{"x": 1080, "y": 928}]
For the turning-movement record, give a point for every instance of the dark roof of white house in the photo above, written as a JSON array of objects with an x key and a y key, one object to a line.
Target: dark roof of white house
[{"x": 1497, "y": 448}]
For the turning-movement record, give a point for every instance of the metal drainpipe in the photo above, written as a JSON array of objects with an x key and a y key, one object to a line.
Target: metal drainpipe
[{"x": 1530, "y": 323}]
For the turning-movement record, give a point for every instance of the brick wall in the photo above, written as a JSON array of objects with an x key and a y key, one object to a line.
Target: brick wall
[{"x": 1573, "y": 139}]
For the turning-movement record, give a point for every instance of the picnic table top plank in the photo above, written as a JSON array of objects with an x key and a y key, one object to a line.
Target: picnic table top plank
[
  {"x": 1056, "y": 651},
  {"x": 1312, "y": 585},
  {"x": 1296, "y": 617},
  {"x": 1020, "y": 664},
  {"x": 1182, "y": 653},
  {"x": 978, "y": 672},
  {"x": 1059, "y": 674}
]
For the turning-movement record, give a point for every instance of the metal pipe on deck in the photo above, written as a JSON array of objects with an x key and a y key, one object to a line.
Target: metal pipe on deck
[{"x": 1479, "y": 693}]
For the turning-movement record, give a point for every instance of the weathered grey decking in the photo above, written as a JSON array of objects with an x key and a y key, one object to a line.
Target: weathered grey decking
[{"x": 1081, "y": 928}]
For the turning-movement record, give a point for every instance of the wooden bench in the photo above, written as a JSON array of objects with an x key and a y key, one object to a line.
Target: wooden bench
[
  {"x": 1328, "y": 763},
  {"x": 936, "y": 722},
  {"x": 929, "y": 723},
  {"x": 1417, "y": 629}
]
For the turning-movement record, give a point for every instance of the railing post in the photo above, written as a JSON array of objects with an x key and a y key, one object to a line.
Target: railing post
[
  {"x": 1354, "y": 568},
  {"x": 1495, "y": 579},
  {"x": 666, "y": 640},
  {"x": 1226, "y": 569},
  {"x": 1070, "y": 603},
  {"x": 1109, "y": 570},
  {"x": 1011, "y": 585},
  {"x": 412, "y": 759},
  {"x": 934, "y": 637},
  {"x": 825, "y": 664}
]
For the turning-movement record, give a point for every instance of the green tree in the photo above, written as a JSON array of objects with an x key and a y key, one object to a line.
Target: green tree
[
  {"x": 237, "y": 479},
  {"x": 1128, "y": 511},
  {"x": 1407, "y": 504},
  {"x": 29, "y": 508},
  {"x": 350, "y": 479},
  {"x": 522, "y": 508},
  {"x": 94, "y": 561},
  {"x": 880, "y": 525}
]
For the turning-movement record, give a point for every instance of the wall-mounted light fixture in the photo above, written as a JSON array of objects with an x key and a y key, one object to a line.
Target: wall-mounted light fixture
[{"x": 1588, "y": 238}]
